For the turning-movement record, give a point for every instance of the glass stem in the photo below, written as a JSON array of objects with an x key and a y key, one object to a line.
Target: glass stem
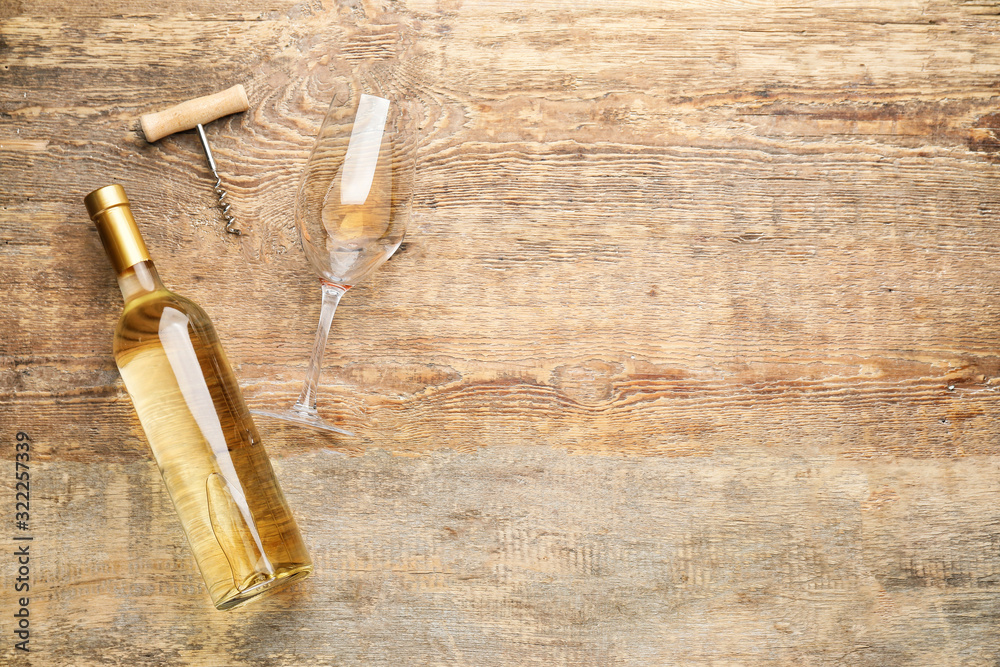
[{"x": 331, "y": 297}]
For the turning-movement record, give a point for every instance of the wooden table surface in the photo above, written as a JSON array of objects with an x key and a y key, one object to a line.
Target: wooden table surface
[{"x": 689, "y": 357}]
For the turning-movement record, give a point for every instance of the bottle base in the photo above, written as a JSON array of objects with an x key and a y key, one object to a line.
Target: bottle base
[{"x": 280, "y": 580}]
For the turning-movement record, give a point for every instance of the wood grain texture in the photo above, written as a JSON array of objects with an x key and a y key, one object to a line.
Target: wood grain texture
[{"x": 688, "y": 358}]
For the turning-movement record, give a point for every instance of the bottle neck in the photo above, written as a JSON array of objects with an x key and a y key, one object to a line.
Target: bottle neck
[
  {"x": 112, "y": 215},
  {"x": 139, "y": 279}
]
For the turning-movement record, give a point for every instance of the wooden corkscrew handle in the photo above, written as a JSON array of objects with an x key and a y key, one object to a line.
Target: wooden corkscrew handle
[{"x": 194, "y": 112}]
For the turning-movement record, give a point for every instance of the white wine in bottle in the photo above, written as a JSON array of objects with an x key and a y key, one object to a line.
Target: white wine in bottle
[{"x": 204, "y": 441}]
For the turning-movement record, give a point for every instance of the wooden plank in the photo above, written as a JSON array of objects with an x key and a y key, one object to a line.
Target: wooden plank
[{"x": 496, "y": 557}]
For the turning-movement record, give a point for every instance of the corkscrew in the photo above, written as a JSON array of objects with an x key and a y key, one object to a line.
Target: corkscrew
[{"x": 195, "y": 114}]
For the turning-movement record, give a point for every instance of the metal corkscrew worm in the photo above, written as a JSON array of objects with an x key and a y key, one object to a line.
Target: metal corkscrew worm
[
  {"x": 194, "y": 114},
  {"x": 220, "y": 192}
]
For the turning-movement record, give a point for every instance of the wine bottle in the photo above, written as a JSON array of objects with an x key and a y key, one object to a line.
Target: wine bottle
[{"x": 209, "y": 453}]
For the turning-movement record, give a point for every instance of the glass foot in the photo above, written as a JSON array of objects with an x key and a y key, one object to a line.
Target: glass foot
[{"x": 307, "y": 419}]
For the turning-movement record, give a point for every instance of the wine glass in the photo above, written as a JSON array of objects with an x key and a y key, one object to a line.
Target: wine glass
[{"x": 352, "y": 206}]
